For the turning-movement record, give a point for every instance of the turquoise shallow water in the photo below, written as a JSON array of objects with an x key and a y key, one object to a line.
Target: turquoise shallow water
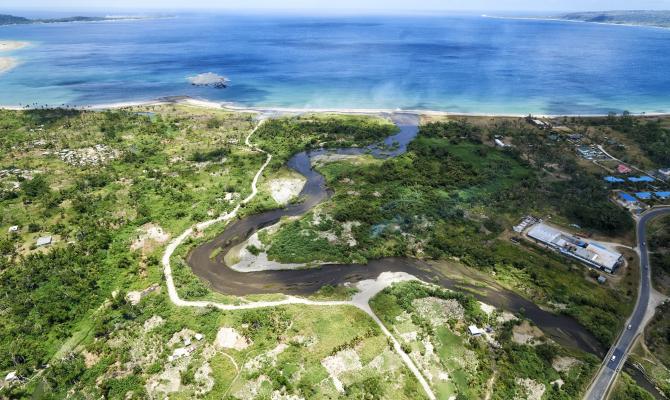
[{"x": 460, "y": 64}]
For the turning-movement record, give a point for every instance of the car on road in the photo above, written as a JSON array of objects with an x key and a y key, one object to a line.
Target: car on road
[
  {"x": 613, "y": 358},
  {"x": 630, "y": 326}
]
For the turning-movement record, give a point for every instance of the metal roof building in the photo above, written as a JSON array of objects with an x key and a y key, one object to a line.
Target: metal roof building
[
  {"x": 591, "y": 253},
  {"x": 43, "y": 241},
  {"x": 641, "y": 179},
  {"x": 613, "y": 179}
]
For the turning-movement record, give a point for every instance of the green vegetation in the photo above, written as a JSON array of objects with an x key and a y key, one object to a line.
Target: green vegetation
[
  {"x": 660, "y": 18},
  {"x": 432, "y": 325},
  {"x": 94, "y": 181},
  {"x": 127, "y": 354},
  {"x": 286, "y": 136},
  {"x": 659, "y": 255},
  {"x": 654, "y": 353},
  {"x": 626, "y": 389},
  {"x": 112, "y": 188},
  {"x": 14, "y": 20},
  {"x": 652, "y": 135},
  {"x": 452, "y": 196}
]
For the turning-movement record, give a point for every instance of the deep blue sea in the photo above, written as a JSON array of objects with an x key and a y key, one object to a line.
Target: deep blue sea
[{"x": 467, "y": 64}]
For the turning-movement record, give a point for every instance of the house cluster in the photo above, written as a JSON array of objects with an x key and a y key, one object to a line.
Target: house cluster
[
  {"x": 527, "y": 221},
  {"x": 538, "y": 123},
  {"x": 188, "y": 348},
  {"x": 664, "y": 173},
  {"x": 591, "y": 153},
  {"x": 588, "y": 252},
  {"x": 96, "y": 155},
  {"x": 633, "y": 191}
]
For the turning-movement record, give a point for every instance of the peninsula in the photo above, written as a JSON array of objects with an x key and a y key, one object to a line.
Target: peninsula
[
  {"x": 655, "y": 18},
  {"x": 14, "y": 20}
]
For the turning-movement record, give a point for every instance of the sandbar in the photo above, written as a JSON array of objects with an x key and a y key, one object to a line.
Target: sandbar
[
  {"x": 11, "y": 45},
  {"x": 7, "y": 63}
]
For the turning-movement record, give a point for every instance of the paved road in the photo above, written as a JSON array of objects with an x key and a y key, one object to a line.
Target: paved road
[{"x": 617, "y": 355}]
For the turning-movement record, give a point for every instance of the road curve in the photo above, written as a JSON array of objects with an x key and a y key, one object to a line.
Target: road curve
[
  {"x": 616, "y": 357},
  {"x": 360, "y": 301}
]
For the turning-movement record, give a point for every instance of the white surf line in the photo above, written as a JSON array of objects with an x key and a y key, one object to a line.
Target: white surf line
[{"x": 361, "y": 301}]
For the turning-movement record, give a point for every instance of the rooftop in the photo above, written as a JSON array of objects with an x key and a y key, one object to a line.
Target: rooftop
[
  {"x": 641, "y": 179},
  {"x": 577, "y": 247},
  {"x": 614, "y": 179},
  {"x": 43, "y": 241}
]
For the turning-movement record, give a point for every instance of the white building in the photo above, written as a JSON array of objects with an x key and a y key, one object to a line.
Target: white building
[
  {"x": 499, "y": 143},
  {"x": 588, "y": 252},
  {"x": 43, "y": 241},
  {"x": 475, "y": 331},
  {"x": 13, "y": 229}
]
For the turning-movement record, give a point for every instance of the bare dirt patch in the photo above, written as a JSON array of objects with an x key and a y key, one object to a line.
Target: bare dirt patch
[
  {"x": 283, "y": 190},
  {"x": 342, "y": 362},
  {"x": 525, "y": 333},
  {"x": 534, "y": 390},
  {"x": 438, "y": 311},
  {"x": 562, "y": 364},
  {"x": 153, "y": 322},
  {"x": 240, "y": 258},
  {"x": 149, "y": 237},
  {"x": 229, "y": 338}
]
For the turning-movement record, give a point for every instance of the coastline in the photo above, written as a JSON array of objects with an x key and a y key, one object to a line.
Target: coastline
[
  {"x": 229, "y": 106},
  {"x": 553, "y": 19}
]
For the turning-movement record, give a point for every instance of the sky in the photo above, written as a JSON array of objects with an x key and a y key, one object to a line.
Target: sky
[{"x": 336, "y": 5}]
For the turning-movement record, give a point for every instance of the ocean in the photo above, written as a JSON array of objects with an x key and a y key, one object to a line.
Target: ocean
[{"x": 462, "y": 64}]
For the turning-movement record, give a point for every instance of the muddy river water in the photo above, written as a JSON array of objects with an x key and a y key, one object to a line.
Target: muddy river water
[{"x": 564, "y": 329}]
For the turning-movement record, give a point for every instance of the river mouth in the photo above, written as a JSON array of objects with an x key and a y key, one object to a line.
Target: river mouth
[{"x": 562, "y": 328}]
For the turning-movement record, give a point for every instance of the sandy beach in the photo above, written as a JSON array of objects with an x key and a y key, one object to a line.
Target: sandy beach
[{"x": 229, "y": 106}]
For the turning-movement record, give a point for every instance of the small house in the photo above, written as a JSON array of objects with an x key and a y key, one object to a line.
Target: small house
[
  {"x": 43, "y": 241},
  {"x": 475, "y": 331},
  {"x": 602, "y": 279},
  {"x": 500, "y": 143},
  {"x": 624, "y": 169},
  {"x": 13, "y": 229},
  {"x": 11, "y": 377}
]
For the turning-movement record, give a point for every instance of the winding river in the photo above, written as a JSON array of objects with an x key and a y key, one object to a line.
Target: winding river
[{"x": 564, "y": 329}]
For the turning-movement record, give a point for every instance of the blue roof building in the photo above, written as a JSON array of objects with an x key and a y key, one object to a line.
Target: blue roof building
[
  {"x": 626, "y": 197},
  {"x": 613, "y": 179},
  {"x": 663, "y": 195},
  {"x": 643, "y": 195},
  {"x": 641, "y": 179}
]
